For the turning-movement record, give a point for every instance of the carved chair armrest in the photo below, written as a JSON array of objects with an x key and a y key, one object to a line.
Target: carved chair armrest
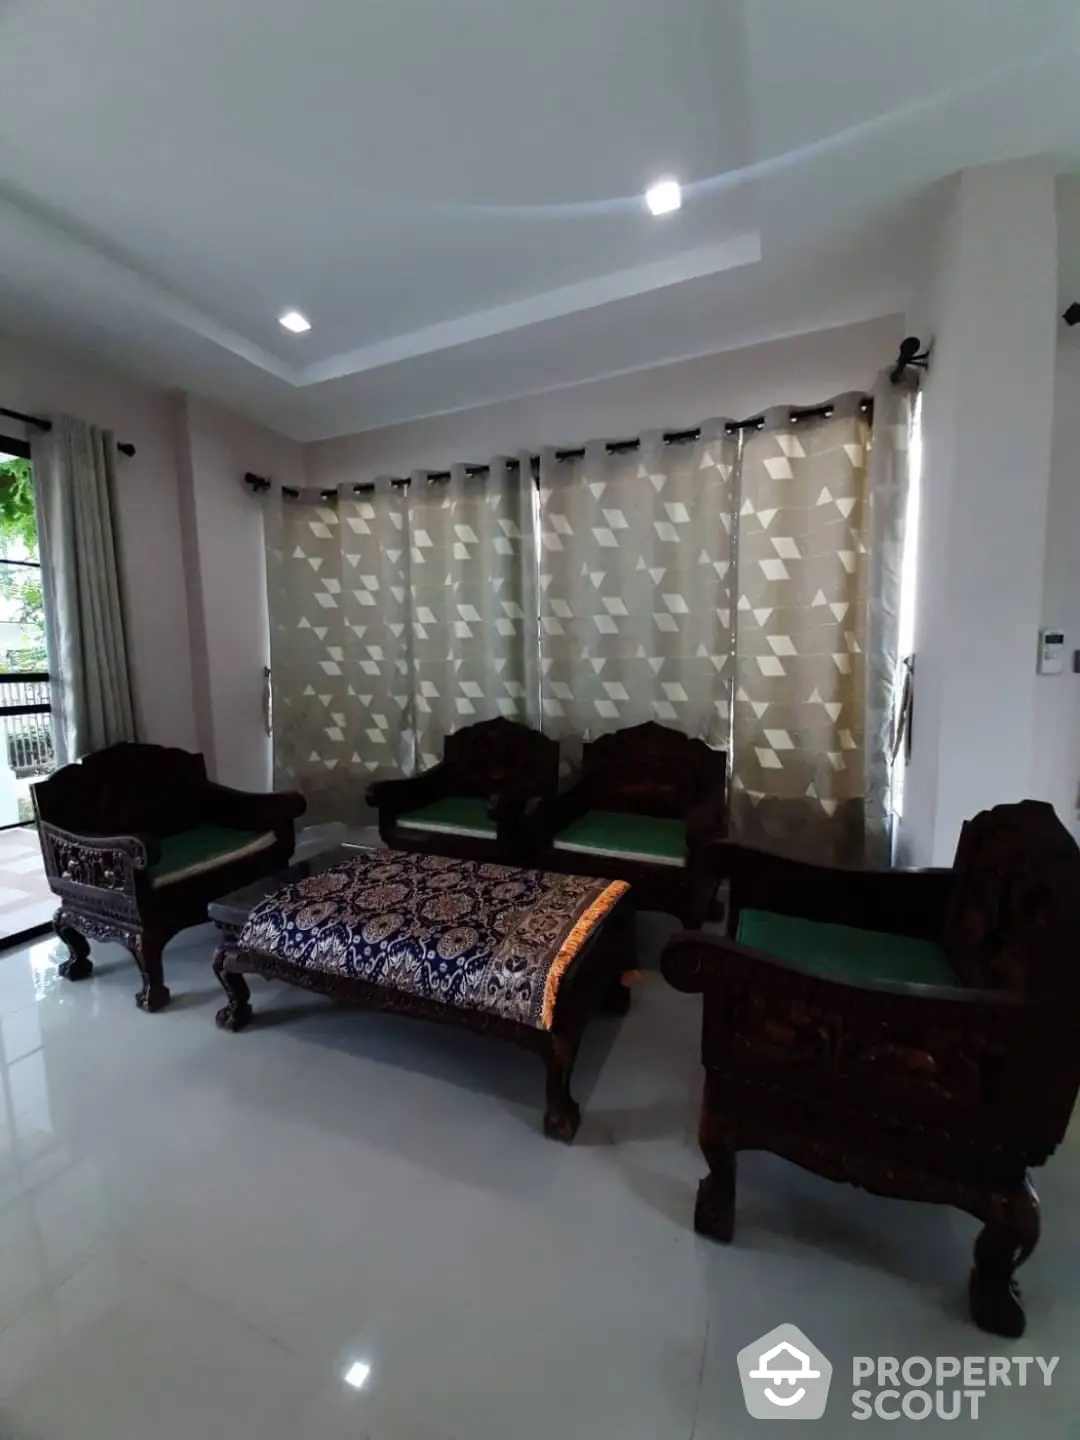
[
  {"x": 510, "y": 804},
  {"x": 247, "y": 810},
  {"x": 555, "y": 811},
  {"x": 395, "y": 797},
  {"x": 706, "y": 820},
  {"x": 922, "y": 1043},
  {"x": 901, "y": 902},
  {"x": 98, "y": 862}
]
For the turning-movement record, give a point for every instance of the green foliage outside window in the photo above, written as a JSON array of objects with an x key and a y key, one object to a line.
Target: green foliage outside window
[
  {"x": 17, "y": 520},
  {"x": 18, "y": 540}
]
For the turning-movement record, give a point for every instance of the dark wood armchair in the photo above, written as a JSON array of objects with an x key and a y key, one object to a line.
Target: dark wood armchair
[
  {"x": 472, "y": 804},
  {"x": 914, "y": 1033},
  {"x": 137, "y": 841},
  {"x": 648, "y": 802}
]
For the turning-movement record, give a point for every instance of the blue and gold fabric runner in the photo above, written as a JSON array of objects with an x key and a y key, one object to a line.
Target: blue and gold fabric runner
[{"x": 472, "y": 935}]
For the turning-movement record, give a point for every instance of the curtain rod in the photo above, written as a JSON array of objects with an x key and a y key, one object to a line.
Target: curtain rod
[
  {"x": 258, "y": 483},
  {"x": 45, "y": 425}
]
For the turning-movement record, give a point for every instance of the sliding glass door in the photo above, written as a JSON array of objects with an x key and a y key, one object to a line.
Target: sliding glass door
[{"x": 26, "y": 737}]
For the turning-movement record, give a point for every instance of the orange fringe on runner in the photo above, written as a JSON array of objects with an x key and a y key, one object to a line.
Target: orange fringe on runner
[{"x": 604, "y": 902}]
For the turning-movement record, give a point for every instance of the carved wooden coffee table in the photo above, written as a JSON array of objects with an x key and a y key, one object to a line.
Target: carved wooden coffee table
[{"x": 600, "y": 946}]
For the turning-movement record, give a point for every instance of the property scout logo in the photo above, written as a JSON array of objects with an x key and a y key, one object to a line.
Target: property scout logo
[{"x": 786, "y": 1377}]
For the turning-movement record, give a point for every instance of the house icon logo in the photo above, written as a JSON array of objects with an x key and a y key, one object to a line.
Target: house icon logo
[{"x": 784, "y": 1376}]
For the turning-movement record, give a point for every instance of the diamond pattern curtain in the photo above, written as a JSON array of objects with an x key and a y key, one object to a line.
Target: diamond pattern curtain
[
  {"x": 799, "y": 751},
  {"x": 473, "y": 600},
  {"x": 635, "y": 587},
  {"x": 338, "y": 587}
]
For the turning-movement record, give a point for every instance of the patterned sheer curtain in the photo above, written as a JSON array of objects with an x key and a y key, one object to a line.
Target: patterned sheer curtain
[
  {"x": 800, "y": 767},
  {"x": 635, "y": 587},
  {"x": 741, "y": 588},
  {"x": 338, "y": 588},
  {"x": 473, "y": 600}
]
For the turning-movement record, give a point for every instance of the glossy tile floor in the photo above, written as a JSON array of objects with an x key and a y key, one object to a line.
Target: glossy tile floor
[
  {"x": 25, "y": 897},
  {"x": 200, "y": 1232}
]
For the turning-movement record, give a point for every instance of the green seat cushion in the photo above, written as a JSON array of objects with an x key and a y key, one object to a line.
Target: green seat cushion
[
  {"x": 842, "y": 952},
  {"x": 191, "y": 852},
  {"x": 626, "y": 837},
  {"x": 454, "y": 815}
]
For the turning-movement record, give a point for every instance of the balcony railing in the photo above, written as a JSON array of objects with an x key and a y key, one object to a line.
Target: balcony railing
[{"x": 26, "y": 724}]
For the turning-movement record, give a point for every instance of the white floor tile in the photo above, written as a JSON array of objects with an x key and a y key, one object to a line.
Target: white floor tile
[
  {"x": 29, "y": 864},
  {"x": 199, "y": 1232}
]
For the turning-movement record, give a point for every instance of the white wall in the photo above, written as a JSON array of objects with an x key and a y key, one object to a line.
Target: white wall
[
  {"x": 987, "y": 414},
  {"x": 148, "y": 521},
  {"x": 1057, "y": 707},
  {"x": 225, "y": 566},
  {"x": 801, "y": 370}
]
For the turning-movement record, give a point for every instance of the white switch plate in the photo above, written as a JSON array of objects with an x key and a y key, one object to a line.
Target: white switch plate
[{"x": 1051, "y": 652}]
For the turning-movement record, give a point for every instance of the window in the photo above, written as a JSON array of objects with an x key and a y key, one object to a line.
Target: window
[{"x": 26, "y": 743}]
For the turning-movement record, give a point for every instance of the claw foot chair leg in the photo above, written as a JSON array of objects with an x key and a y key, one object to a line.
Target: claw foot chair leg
[
  {"x": 78, "y": 965},
  {"x": 1010, "y": 1234},
  {"x": 714, "y": 1211},
  {"x": 147, "y": 948}
]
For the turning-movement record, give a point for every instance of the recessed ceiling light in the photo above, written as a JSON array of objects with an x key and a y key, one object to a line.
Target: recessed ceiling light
[
  {"x": 357, "y": 1374},
  {"x": 663, "y": 197},
  {"x": 294, "y": 321}
]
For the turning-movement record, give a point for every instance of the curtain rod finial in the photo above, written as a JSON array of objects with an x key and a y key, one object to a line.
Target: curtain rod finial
[{"x": 912, "y": 356}]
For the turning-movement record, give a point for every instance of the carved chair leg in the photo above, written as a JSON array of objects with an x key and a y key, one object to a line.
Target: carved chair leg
[
  {"x": 562, "y": 1115},
  {"x": 147, "y": 947},
  {"x": 1010, "y": 1234},
  {"x": 700, "y": 895},
  {"x": 78, "y": 965},
  {"x": 714, "y": 1211},
  {"x": 237, "y": 1013}
]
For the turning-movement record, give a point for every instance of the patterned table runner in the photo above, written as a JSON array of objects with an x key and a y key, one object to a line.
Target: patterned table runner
[{"x": 471, "y": 935}]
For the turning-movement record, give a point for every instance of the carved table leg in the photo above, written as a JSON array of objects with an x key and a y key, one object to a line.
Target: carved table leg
[
  {"x": 78, "y": 965},
  {"x": 714, "y": 1211},
  {"x": 1011, "y": 1220},
  {"x": 147, "y": 947},
  {"x": 237, "y": 1013},
  {"x": 562, "y": 1115},
  {"x": 616, "y": 999}
]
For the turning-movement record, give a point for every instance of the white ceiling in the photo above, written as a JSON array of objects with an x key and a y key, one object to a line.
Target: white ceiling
[{"x": 451, "y": 192}]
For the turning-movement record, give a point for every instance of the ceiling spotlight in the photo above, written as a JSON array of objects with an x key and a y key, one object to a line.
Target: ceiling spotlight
[
  {"x": 357, "y": 1374},
  {"x": 294, "y": 321},
  {"x": 663, "y": 197}
]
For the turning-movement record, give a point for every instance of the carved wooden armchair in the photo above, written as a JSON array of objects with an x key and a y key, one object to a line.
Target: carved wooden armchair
[
  {"x": 648, "y": 802},
  {"x": 914, "y": 1033},
  {"x": 137, "y": 842},
  {"x": 472, "y": 804}
]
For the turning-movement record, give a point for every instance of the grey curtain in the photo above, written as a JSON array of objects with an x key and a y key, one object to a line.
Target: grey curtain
[
  {"x": 472, "y": 583},
  {"x": 635, "y": 587},
  {"x": 88, "y": 659},
  {"x": 338, "y": 591},
  {"x": 800, "y": 724}
]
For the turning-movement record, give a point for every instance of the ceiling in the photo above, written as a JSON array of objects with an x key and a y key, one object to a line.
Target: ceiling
[{"x": 452, "y": 192}]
